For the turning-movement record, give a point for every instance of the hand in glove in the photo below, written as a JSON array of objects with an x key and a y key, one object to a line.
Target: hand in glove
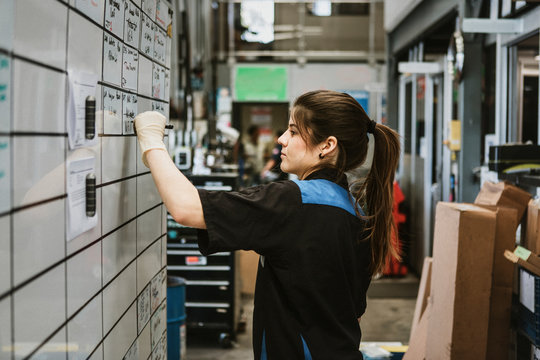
[{"x": 150, "y": 128}]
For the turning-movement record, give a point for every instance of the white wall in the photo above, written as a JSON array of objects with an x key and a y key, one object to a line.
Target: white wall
[{"x": 90, "y": 296}]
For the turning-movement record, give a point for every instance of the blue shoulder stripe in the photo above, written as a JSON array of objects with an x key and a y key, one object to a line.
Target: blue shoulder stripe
[{"x": 324, "y": 192}]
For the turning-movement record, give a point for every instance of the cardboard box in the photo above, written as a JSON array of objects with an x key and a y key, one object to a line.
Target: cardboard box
[
  {"x": 418, "y": 341},
  {"x": 504, "y": 194},
  {"x": 524, "y": 263},
  {"x": 249, "y": 263},
  {"x": 532, "y": 233},
  {"x": 502, "y": 281},
  {"x": 423, "y": 293},
  {"x": 461, "y": 282},
  {"x": 505, "y": 238},
  {"x": 499, "y": 323}
]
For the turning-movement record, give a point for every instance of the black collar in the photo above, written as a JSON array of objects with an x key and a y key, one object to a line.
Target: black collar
[{"x": 330, "y": 175}]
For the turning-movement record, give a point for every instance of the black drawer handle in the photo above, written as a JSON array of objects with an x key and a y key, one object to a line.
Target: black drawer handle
[
  {"x": 90, "y": 117},
  {"x": 90, "y": 195}
]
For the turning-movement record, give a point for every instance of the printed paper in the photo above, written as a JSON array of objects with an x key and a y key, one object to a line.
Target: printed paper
[
  {"x": 76, "y": 172},
  {"x": 526, "y": 290},
  {"x": 81, "y": 85}
]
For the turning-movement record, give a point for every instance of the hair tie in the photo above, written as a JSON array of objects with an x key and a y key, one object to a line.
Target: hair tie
[{"x": 371, "y": 126}]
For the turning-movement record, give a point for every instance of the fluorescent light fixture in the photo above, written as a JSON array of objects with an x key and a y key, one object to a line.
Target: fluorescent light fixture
[
  {"x": 322, "y": 8},
  {"x": 258, "y": 17}
]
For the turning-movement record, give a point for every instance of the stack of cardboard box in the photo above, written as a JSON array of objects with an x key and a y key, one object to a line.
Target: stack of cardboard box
[{"x": 464, "y": 302}]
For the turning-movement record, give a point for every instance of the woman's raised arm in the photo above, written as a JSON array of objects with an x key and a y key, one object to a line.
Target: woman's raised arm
[{"x": 179, "y": 195}]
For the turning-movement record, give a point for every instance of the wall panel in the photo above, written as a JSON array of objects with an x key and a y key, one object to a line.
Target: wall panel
[
  {"x": 45, "y": 40},
  {"x": 85, "y": 329},
  {"x": 119, "y": 340},
  {"x": 5, "y": 251},
  {"x": 5, "y": 328},
  {"x": 118, "y": 296},
  {"x": 39, "y": 309},
  {"x": 46, "y": 88},
  {"x": 40, "y": 171},
  {"x": 78, "y": 293},
  {"x": 36, "y": 244},
  {"x": 118, "y": 250},
  {"x": 83, "y": 277}
]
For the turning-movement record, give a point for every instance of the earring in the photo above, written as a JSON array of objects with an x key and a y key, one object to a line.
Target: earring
[{"x": 321, "y": 156}]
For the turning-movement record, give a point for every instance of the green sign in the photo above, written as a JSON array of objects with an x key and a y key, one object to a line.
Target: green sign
[
  {"x": 261, "y": 83},
  {"x": 522, "y": 253}
]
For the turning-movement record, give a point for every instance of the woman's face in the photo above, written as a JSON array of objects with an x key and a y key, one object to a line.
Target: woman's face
[{"x": 296, "y": 156}]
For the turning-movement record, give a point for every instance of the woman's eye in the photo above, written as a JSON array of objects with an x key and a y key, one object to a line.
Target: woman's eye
[{"x": 292, "y": 132}]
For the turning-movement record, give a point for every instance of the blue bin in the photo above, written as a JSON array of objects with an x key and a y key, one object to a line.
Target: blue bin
[{"x": 176, "y": 318}]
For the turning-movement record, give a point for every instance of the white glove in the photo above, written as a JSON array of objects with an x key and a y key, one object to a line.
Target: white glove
[{"x": 150, "y": 127}]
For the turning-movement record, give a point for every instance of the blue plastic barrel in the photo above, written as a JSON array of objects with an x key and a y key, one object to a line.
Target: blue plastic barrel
[{"x": 176, "y": 318}]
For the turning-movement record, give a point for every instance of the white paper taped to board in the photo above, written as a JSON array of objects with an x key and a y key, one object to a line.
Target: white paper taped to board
[
  {"x": 81, "y": 86},
  {"x": 132, "y": 25},
  {"x": 158, "y": 81},
  {"x": 91, "y": 8},
  {"x": 114, "y": 17},
  {"x": 130, "y": 111},
  {"x": 147, "y": 36},
  {"x": 149, "y": 7},
  {"x": 130, "y": 68},
  {"x": 526, "y": 290},
  {"x": 76, "y": 172},
  {"x": 112, "y": 111},
  {"x": 160, "y": 43},
  {"x": 112, "y": 60}
]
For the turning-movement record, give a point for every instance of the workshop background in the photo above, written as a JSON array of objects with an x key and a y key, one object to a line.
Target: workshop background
[{"x": 92, "y": 266}]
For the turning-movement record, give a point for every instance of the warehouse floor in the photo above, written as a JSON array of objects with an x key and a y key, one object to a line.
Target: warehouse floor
[{"x": 388, "y": 317}]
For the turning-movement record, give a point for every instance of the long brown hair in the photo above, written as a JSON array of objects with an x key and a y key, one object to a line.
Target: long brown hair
[{"x": 323, "y": 113}]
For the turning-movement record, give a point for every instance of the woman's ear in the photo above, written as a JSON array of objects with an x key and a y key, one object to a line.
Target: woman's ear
[{"x": 328, "y": 146}]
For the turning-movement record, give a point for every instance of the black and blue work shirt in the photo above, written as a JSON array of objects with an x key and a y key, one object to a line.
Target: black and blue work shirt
[{"x": 313, "y": 270}]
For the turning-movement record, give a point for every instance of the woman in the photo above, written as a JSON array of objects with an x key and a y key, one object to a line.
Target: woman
[{"x": 318, "y": 251}]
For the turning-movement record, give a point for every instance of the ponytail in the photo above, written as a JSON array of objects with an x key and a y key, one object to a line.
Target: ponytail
[
  {"x": 323, "y": 113},
  {"x": 376, "y": 196}
]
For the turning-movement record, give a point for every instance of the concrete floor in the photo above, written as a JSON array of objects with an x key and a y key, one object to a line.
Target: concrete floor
[{"x": 388, "y": 317}]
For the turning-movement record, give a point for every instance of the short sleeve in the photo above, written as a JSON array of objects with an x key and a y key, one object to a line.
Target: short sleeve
[{"x": 260, "y": 218}]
